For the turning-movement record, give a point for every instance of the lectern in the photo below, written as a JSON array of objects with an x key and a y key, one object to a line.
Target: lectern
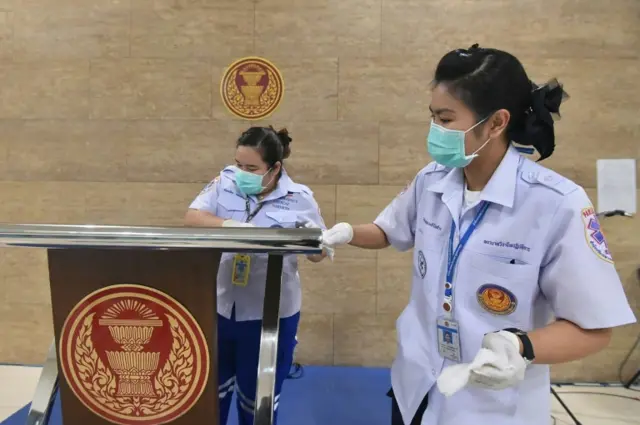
[{"x": 134, "y": 314}]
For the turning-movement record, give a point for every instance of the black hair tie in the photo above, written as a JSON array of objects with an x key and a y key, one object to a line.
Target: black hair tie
[
  {"x": 545, "y": 102},
  {"x": 548, "y": 97}
]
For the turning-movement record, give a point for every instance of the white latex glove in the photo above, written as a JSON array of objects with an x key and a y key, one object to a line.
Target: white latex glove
[
  {"x": 234, "y": 223},
  {"x": 340, "y": 234},
  {"x": 507, "y": 370},
  {"x": 327, "y": 249},
  {"x": 497, "y": 365}
]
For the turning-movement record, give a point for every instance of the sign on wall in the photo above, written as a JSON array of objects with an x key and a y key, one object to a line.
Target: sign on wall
[{"x": 252, "y": 88}]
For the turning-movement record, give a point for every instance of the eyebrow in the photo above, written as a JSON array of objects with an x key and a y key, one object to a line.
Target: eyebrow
[
  {"x": 441, "y": 110},
  {"x": 248, "y": 165}
]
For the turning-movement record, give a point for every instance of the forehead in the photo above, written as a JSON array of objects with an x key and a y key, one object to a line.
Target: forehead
[
  {"x": 443, "y": 101},
  {"x": 248, "y": 155}
]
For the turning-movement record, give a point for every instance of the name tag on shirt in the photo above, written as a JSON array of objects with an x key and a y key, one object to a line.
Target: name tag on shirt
[
  {"x": 449, "y": 339},
  {"x": 241, "y": 269}
]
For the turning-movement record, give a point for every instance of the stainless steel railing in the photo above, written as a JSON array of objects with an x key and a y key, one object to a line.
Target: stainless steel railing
[{"x": 241, "y": 239}]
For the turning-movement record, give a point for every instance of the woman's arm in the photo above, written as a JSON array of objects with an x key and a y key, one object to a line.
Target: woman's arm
[
  {"x": 369, "y": 236},
  {"x": 579, "y": 281},
  {"x": 563, "y": 341},
  {"x": 198, "y": 218}
]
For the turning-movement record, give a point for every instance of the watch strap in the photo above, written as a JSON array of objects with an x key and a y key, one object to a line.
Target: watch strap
[{"x": 527, "y": 346}]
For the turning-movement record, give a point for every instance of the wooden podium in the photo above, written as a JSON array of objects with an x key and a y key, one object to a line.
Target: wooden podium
[{"x": 134, "y": 314}]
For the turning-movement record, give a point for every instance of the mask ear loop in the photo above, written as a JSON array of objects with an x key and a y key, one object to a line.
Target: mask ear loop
[
  {"x": 475, "y": 154},
  {"x": 478, "y": 150},
  {"x": 270, "y": 181}
]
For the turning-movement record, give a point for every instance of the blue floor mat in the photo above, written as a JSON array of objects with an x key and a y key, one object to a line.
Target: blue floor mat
[{"x": 322, "y": 396}]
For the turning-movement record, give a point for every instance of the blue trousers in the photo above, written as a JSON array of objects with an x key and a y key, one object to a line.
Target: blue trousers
[{"x": 238, "y": 353}]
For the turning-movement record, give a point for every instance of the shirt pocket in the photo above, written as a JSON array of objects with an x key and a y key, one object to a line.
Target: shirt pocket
[
  {"x": 281, "y": 219},
  {"x": 498, "y": 293},
  {"x": 231, "y": 207}
]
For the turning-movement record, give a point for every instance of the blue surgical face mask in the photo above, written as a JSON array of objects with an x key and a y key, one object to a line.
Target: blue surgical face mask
[
  {"x": 446, "y": 146},
  {"x": 249, "y": 183}
]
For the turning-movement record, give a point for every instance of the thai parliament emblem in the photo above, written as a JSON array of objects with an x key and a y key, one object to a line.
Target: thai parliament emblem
[
  {"x": 252, "y": 88},
  {"x": 133, "y": 355}
]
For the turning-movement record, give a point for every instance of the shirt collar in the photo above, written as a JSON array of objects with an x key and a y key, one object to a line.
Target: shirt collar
[{"x": 501, "y": 188}]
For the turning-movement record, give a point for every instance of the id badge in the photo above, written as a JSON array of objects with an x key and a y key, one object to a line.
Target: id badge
[
  {"x": 241, "y": 268},
  {"x": 449, "y": 339}
]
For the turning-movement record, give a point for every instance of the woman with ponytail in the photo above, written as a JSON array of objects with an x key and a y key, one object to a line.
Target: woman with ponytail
[{"x": 511, "y": 271}]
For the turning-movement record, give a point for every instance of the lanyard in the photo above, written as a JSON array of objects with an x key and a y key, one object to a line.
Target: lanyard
[
  {"x": 454, "y": 255},
  {"x": 251, "y": 215}
]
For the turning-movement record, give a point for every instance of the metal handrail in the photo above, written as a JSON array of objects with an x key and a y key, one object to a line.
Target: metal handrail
[{"x": 239, "y": 239}]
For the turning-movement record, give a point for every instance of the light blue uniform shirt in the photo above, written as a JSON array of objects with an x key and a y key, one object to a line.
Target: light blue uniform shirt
[
  {"x": 539, "y": 244},
  {"x": 287, "y": 204}
]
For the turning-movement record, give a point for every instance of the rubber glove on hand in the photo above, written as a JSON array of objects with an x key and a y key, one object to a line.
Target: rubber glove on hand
[
  {"x": 234, "y": 223},
  {"x": 340, "y": 234},
  {"x": 497, "y": 365},
  {"x": 327, "y": 249},
  {"x": 509, "y": 367}
]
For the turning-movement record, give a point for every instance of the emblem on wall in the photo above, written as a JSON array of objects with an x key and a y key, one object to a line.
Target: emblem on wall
[
  {"x": 133, "y": 355},
  {"x": 252, "y": 88}
]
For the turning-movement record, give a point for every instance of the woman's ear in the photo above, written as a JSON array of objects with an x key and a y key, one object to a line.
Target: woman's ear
[
  {"x": 498, "y": 123},
  {"x": 277, "y": 167}
]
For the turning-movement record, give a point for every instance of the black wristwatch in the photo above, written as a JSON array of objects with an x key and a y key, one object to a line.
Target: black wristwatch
[{"x": 527, "y": 346}]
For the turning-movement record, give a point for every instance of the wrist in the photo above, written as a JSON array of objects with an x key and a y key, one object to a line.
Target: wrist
[{"x": 525, "y": 347}]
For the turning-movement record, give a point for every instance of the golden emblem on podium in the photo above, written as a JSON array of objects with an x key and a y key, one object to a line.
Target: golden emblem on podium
[
  {"x": 252, "y": 88},
  {"x": 134, "y": 355}
]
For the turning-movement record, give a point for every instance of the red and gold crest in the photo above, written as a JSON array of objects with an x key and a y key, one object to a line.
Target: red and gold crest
[
  {"x": 496, "y": 299},
  {"x": 134, "y": 355},
  {"x": 252, "y": 88}
]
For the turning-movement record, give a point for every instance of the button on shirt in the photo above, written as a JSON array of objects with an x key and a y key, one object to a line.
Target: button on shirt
[
  {"x": 287, "y": 204},
  {"x": 539, "y": 253}
]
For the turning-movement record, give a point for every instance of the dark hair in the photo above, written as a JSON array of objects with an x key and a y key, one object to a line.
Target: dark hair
[
  {"x": 273, "y": 145},
  {"x": 487, "y": 80}
]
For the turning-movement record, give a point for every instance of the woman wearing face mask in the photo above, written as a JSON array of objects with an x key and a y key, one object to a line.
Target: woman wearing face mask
[
  {"x": 255, "y": 192},
  {"x": 509, "y": 259}
]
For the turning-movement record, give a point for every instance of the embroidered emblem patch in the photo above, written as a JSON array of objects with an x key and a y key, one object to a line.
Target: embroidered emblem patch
[
  {"x": 422, "y": 264},
  {"x": 496, "y": 299},
  {"x": 406, "y": 187},
  {"x": 210, "y": 185},
  {"x": 594, "y": 236}
]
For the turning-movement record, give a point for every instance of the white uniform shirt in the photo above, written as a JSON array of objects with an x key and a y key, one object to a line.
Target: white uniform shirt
[
  {"x": 287, "y": 204},
  {"x": 539, "y": 245}
]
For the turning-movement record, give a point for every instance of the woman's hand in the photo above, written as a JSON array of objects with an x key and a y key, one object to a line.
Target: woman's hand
[
  {"x": 498, "y": 365},
  {"x": 326, "y": 251},
  {"x": 340, "y": 234}
]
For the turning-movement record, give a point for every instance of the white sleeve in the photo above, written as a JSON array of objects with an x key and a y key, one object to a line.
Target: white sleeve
[
  {"x": 578, "y": 275},
  {"x": 310, "y": 211},
  {"x": 398, "y": 219},
  {"x": 207, "y": 200}
]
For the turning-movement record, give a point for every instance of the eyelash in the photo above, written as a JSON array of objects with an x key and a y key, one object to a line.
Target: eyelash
[{"x": 442, "y": 120}]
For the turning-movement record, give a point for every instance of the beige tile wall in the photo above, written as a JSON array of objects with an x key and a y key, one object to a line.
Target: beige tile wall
[{"x": 110, "y": 113}]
